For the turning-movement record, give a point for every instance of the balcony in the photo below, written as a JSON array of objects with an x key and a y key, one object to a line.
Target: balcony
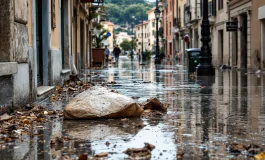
[{"x": 176, "y": 22}]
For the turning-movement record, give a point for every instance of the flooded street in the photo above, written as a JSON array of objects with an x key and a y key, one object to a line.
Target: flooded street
[{"x": 202, "y": 120}]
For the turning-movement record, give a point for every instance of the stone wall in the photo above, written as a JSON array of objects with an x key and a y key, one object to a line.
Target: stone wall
[
  {"x": 14, "y": 72},
  {"x": 6, "y": 30}
]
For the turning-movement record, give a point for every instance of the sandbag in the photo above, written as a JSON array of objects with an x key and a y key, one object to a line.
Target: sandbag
[{"x": 101, "y": 102}]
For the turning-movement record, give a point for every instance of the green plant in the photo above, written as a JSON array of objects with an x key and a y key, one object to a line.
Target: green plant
[
  {"x": 98, "y": 38},
  {"x": 147, "y": 54}
]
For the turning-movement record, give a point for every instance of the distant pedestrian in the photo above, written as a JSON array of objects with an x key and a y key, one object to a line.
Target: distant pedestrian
[
  {"x": 107, "y": 53},
  {"x": 178, "y": 57},
  {"x": 117, "y": 52}
]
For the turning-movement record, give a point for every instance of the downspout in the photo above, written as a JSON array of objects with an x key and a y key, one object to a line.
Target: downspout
[
  {"x": 229, "y": 17},
  {"x": 173, "y": 34}
]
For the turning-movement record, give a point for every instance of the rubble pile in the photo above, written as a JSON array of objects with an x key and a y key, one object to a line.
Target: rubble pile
[
  {"x": 252, "y": 150},
  {"x": 140, "y": 153},
  {"x": 72, "y": 86},
  {"x": 22, "y": 122},
  {"x": 154, "y": 104}
]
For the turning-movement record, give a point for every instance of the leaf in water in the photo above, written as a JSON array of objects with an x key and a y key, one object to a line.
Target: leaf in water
[{"x": 260, "y": 156}]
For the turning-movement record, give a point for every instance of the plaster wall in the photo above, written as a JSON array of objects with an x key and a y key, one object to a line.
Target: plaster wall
[
  {"x": 29, "y": 24},
  {"x": 55, "y": 67},
  {"x": 55, "y": 32},
  {"x": 21, "y": 85},
  {"x": 256, "y": 36}
]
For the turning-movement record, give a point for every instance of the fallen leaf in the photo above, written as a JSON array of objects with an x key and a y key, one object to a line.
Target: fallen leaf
[
  {"x": 82, "y": 157},
  {"x": 25, "y": 121},
  {"x": 5, "y": 117},
  {"x": 102, "y": 154},
  {"x": 260, "y": 156}
]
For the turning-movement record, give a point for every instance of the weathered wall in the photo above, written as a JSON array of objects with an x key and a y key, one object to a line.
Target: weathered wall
[
  {"x": 29, "y": 24},
  {"x": 6, "y": 30},
  {"x": 21, "y": 52},
  {"x": 55, "y": 67},
  {"x": 21, "y": 85},
  {"x": 55, "y": 32},
  {"x": 21, "y": 43},
  {"x": 256, "y": 34},
  {"x": 6, "y": 93}
]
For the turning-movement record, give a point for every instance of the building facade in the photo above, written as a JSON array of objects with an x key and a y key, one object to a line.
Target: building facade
[
  {"x": 142, "y": 37},
  {"x": 241, "y": 49},
  {"x": 42, "y": 42},
  {"x": 167, "y": 23}
]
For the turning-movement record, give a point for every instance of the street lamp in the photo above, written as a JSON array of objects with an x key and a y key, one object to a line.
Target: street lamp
[
  {"x": 205, "y": 67},
  {"x": 157, "y": 15}
]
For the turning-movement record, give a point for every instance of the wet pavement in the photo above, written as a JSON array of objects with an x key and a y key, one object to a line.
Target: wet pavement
[{"x": 203, "y": 118}]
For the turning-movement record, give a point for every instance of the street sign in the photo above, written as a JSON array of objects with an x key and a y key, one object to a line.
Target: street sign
[{"x": 231, "y": 26}]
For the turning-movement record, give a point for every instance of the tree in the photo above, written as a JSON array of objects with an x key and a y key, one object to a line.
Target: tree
[{"x": 126, "y": 45}]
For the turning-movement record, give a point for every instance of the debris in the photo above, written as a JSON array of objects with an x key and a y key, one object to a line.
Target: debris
[
  {"x": 56, "y": 141},
  {"x": 107, "y": 143},
  {"x": 141, "y": 125},
  {"x": 180, "y": 155},
  {"x": 144, "y": 152},
  {"x": 83, "y": 157},
  {"x": 260, "y": 156},
  {"x": 25, "y": 121},
  {"x": 237, "y": 148},
  {"x": 5, "y": 117},
  {"x": 100, "y": 102},
  {"x": 154, "y": 104},
  {"x": 102, "y": 154},
  {"x": 224, "y": 67}
]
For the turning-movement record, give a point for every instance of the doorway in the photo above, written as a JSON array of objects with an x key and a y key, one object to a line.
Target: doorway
[
  {"x": 39, "y": 42},
  {"x": 221, "y": 46},
  {"x": 42, "y": 41},
  {"x": 234, "y": 46},
  {"x": 244, "y": 40}
]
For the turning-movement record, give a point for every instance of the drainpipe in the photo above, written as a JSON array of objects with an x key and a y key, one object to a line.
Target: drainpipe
[
  {"x": 229, "y": 17},
  {"x": 173, "y": 34}
]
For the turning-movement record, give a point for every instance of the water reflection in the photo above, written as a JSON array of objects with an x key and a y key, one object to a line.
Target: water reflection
[{"x": 203, "y": 117}]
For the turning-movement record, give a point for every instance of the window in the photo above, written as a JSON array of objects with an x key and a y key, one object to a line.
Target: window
[
  {"x": 170, "y": 28},
  {"x": 153, "y": 24},
  {"x": 153, "y": 32},
  {"x": 220, "y": 4}
]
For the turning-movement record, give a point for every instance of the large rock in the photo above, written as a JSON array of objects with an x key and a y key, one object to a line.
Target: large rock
[{"x": 100, "y": 102}]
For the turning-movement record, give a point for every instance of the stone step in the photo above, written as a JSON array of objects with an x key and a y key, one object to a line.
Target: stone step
[{"x": 44, "y": 91}]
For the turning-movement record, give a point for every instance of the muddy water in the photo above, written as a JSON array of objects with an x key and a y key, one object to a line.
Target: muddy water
[{"x": 203, "y": 117}]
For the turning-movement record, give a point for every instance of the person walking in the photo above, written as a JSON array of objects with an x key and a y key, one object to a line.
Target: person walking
[
  {"x": 117, "y": 52},
  {"x": 178, "y": 57},
  {"x": 106, "y": 52}
]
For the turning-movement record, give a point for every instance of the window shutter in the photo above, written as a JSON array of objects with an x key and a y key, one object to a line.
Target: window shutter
[{"x": 213, "y": 7}]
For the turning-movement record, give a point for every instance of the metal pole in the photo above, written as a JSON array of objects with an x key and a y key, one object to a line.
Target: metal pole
[
  {"x": 205, "y": 67},
  {"x": 142, "y": 34},
  {"x": 157, "y": 58}
]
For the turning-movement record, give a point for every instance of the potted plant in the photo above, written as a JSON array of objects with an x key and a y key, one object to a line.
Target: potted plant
[{"x": 99, "y": 36}]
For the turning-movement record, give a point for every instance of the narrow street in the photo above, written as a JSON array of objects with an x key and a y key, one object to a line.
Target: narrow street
[{"x": 201, "y": 121}]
